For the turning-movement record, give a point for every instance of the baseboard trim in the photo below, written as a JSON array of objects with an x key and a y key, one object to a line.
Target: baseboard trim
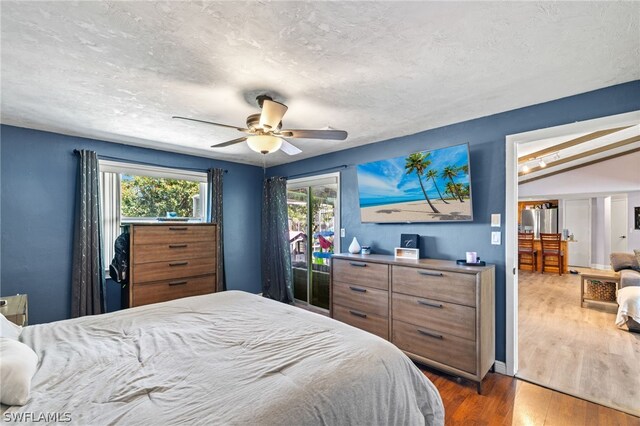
[
  {"x": 598, "y": 266},
  {"x": 500, "y": 367}
]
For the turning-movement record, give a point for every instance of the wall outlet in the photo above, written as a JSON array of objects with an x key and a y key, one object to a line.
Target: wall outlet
[
  {"x": 496, "y": 238},
  {"x": 343, "y": 232}
]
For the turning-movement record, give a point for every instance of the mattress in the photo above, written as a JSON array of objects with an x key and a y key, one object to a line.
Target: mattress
[{"x": 226, "y": 358}]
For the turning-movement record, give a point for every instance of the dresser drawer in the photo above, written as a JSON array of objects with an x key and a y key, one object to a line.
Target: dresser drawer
[
  {"x": 433, "y": 284},
  {"x": 361, "y": 298},
  {"x": 361, "y": 273},
  {"x": 457, "y": 320},
  {"x": 440, "y": 347},
  {"x": 374, "y": 324},
  {"x": 146, "y": 253},
  {"x": 168, "y": 270},
  {"x": 172, "y": 289},
  {"x": 172, "y": 234}
]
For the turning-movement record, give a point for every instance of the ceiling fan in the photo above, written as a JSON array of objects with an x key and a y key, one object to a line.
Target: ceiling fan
[{"x": 265, "y": 133}]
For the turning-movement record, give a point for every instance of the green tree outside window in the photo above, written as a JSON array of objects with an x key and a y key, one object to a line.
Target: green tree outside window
[{"x": 145, "y": 196}]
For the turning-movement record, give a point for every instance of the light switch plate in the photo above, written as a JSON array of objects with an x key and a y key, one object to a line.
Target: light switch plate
[
  {"x": 343, "y": 232},
  {"x": 496, "y": 237},
  {"x": 495, "y": 220}
]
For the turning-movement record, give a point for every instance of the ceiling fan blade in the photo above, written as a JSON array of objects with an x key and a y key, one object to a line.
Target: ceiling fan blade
[
  {"x": 241, "y": 129},
  {"x": 314, "y": 134},
  {"x": 231, "y": 142},
  {"x": 272, "y": 113},
  {"x": 289, "y": 149}
]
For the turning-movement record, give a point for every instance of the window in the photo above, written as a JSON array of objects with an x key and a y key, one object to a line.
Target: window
[{"x": 134, "y": 193}]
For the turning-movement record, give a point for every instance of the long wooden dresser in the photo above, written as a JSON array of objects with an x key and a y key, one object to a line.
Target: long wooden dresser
[
  {"x": 171, "y": 260},
  {"x": 439, "y": 313}
]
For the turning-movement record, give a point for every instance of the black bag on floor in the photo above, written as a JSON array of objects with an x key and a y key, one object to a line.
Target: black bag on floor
[{"x": 119, "y": 267}]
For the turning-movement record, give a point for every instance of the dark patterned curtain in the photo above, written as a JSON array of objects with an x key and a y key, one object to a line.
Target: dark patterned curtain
[
  {"x": 87, "y": 279},
  {"x": 277, "y": 275},
  {"x": 214, "y": 215}
]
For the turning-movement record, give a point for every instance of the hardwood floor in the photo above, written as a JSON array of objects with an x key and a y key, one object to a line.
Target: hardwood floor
[
  {"x": 509, "y": 401},
  {"x": 578, "y": 351}
]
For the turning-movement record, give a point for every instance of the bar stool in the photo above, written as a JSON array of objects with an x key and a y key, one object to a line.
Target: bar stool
[
  {"x": 552, "y": 254},
  {"x": 527, "y": 255}
]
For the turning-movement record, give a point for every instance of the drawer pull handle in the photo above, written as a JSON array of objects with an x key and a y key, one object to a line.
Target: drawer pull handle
[
  {"x": 358, "y": 314},
  {"x": 358, "y": 289},
  {"x": 178, "y": 228},
  {"x": 361, "y": 265},
  {"x": 431, "y": 305},
  {"x": 178, "y": 263},
  {"x": 429, "y": 334},
  {"x": 430, "y": 274},
  {"x": 172, "y": 246},
  {"x": 177, "y": 282}
]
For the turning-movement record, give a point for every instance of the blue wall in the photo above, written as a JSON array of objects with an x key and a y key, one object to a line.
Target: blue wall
[
  {"x": 38, "y": 186},
  {"x": 486, "y": 137},
  {"x": 38, "y": 178}
]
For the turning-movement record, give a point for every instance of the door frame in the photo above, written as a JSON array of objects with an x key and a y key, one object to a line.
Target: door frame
[{"x": 511, "y": 210}]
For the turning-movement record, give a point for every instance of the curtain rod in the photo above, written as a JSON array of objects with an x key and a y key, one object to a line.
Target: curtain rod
[
  {"x": 328, "y": 169},
  {"x": 144, "y": 163}
]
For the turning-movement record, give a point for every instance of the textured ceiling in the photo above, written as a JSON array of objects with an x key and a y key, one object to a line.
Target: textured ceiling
[{"x": 118, "y": 70}]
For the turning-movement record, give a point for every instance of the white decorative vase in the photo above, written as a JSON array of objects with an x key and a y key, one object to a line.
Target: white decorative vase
[{"x": 354, "y": 248}]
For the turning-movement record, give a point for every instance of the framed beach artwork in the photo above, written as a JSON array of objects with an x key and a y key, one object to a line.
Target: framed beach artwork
[{"x": 426, "y": 186}]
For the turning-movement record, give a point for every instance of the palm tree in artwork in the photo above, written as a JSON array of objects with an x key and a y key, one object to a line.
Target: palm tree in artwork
[
  {"x": 450, "y": 172},
  {"x": 448, "y": 189},
  {"x": 433, "y": 174},
  {"x": 465, "y": 190},
  {"x": 418, "y": 162},
  {"x": 464, "y": 169}
]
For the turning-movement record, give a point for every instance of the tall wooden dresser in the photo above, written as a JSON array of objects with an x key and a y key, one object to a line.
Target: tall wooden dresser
[
  {"x": 171, "y": 260},
  {"x": 439, "y": 313}
]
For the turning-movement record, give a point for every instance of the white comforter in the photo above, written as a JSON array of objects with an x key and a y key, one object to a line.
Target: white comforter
[
  {"x": 628, "y": 305},
  {"x": 227, "y": 358}
]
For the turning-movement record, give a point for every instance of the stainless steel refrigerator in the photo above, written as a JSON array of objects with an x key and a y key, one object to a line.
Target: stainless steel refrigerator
[{"x": 539, "y": 221}]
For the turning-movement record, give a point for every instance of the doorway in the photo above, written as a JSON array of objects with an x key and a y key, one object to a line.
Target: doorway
[
  {"x": 575, "y": 339},
  {"x": 314, "y": 216}
]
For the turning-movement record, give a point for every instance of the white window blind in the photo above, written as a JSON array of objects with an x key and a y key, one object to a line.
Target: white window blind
[
  {"x": 110, "y": 194},
  {"x": 153, "y": 171}
]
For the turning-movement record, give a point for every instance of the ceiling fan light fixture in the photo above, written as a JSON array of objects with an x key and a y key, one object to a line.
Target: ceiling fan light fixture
[{"x": 264, "y": 144}]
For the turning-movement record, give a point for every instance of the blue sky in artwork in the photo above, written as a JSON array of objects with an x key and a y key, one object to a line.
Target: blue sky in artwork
[{"x": 386, "y": 181}]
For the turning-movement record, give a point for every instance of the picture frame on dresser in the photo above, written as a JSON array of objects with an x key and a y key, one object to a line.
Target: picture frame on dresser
[{"x": 439, "y": 313}]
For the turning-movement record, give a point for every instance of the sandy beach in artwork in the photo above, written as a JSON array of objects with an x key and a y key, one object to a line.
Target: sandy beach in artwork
[{"x": 417, "y": 211}]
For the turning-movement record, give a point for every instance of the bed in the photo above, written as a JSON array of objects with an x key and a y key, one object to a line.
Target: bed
[{"x": 226, "y": 358}]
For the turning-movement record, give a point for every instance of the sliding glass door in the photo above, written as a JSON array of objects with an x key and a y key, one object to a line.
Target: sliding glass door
[{"x": 314, "y": 235}]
